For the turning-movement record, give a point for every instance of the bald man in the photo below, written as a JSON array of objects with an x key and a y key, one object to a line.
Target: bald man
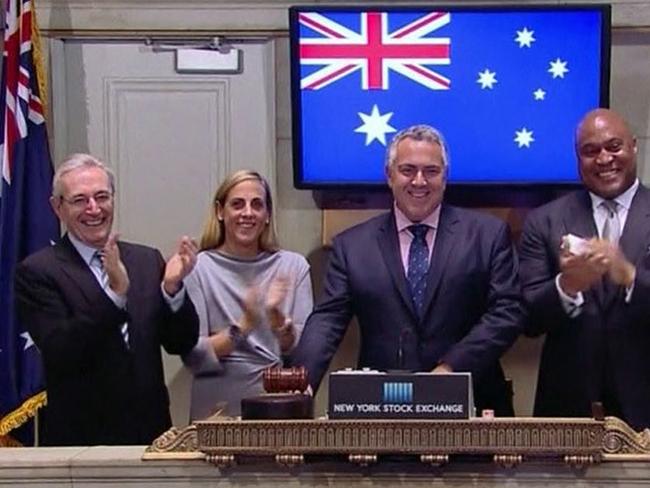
[{"x": 585, "y": 269}]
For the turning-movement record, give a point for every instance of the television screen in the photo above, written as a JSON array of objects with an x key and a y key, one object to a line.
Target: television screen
[{"x": 505, "y": 85}]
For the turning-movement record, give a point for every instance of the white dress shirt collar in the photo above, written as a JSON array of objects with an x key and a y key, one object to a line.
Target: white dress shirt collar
[
  {"x": 624, "y": 199},
  {"x": 87, "y": 252},
  {"x": 402, "y": 222}
]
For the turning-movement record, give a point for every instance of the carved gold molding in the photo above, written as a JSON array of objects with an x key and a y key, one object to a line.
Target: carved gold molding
[
  {"x": 509, "y": 441},
  {"x": 621, "y": 442},
  {"x": 175, "y": 444},
  {"x": 545, "y": 437}
]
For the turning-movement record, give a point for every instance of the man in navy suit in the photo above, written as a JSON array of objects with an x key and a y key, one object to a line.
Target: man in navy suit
[
  {"x": 99, "y": 310},
  {"x": 585, "y": 269},
  {"x": 434, "y": 287}
]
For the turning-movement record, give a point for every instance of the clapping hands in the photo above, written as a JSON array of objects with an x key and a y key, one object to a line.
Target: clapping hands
[
  {"x": 596, "y": 258},
  {"x": 618, "y": 268},
  {"x": 274, "y": 299},
  {"x": 118, "y": 278},
  {"x": 255, "y": 306},
  {"x": 180, "y": 265}
]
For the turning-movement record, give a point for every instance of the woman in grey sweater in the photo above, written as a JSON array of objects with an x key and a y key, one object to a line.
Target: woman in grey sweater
[{"x": 252, "y": 298}]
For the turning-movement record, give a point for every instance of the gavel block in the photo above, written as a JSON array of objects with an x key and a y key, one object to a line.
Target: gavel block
[{"x": 284, "y": 397}]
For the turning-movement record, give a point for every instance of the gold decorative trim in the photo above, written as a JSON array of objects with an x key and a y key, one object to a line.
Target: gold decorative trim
[
  {"x": 221, "y": 461},
  {"x": 577, "y": 442},
  {"x": 620, "y": 438},
  {"x": 579, "y": 462},
  {"x": 363, "y": 459},
  {"x": 290, "y": 460},
  {"x": 434, "y": 459},
  {"x": 39, "y": 64},
  {"x": 508, "y": 461},
  {"x": 175, "y": 444},
  {"x": 509, "y": 437},
  {"x": 23, "y": 413}
]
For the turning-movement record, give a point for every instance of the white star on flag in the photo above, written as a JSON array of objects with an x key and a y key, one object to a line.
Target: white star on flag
[
  {"x": 524, "y": 137},
  {"x": 525, "y": 37},
  {"x": 28, "y": 340},
  {"x": 539, "y": 94},
  {"x": 487, "y": 79},
  {"x": 558, "y": 68},
  {"x": 375, "y": 125}
]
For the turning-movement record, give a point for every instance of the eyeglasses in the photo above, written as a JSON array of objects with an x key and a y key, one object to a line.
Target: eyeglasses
[{"x": 101, "y": 198}]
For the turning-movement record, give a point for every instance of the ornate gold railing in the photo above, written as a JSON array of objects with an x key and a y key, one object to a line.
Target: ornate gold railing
[{"x": 510, "y": 441}]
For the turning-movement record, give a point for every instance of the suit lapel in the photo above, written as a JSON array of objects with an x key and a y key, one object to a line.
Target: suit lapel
[
  {"x": 390, "y": 250},
  {"x": 125, "y": 256},
  {"x": 635, "y": 233},
  {"x": 442, "y": 247},
  {"x": 73, "y": 265},
  {"x": 579, "y": 219},
  {"x": 80, "y": 275}
]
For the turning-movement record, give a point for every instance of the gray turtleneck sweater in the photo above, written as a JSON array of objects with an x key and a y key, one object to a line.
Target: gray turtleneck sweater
[{"x": 217, "y": 287}]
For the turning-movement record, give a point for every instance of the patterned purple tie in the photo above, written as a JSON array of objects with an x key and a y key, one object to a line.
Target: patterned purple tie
[{"x": 418, "y": 264}]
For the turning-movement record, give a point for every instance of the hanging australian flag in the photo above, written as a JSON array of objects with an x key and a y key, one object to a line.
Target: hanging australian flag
[
  {"x": 27, "y": 222},
  {"x": 506, "y": 87}
]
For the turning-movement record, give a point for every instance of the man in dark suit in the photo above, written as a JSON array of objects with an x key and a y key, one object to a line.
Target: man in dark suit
[
  {"x": 434, "y": 287},
  {"x": 585, "y": 274},
  {"x": 99, "y": 310}
]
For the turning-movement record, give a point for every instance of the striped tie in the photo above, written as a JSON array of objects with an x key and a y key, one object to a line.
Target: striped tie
[{"x": 103, "y": 277}]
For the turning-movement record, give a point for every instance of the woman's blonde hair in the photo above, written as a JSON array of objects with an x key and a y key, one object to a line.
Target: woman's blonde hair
[{"x": 214, "y": 233}]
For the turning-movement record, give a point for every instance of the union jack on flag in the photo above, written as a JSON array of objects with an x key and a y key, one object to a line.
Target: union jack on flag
[
  {"x": 27, "y": 222},
  {"x": 21, "y": 101},
  {"x": 374, "y": 50}
]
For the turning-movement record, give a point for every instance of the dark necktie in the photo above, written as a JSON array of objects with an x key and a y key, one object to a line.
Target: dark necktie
[
  {"x": 612, "y": 225},
  {"x": 418, "y": 264},
  {"x": 99, "y": 264}
]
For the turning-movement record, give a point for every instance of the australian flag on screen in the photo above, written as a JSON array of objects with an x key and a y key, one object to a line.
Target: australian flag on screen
[{"x": 506, "y": 89}]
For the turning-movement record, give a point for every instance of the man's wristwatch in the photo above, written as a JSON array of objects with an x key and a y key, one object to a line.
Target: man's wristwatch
[{"x": 236, "y": 335}]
